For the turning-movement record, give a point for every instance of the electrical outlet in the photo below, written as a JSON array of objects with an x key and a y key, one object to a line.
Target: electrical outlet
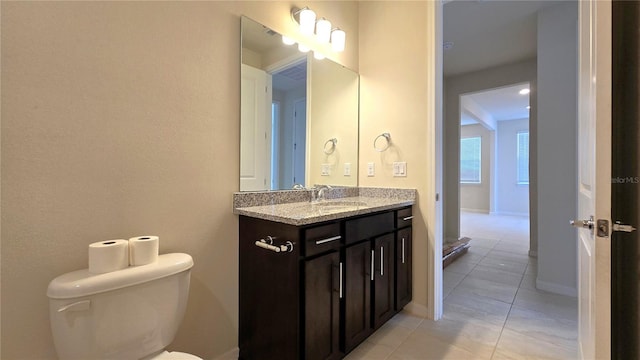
[
  {"x": 400, "y": 169},
  {"x": 325, "y": 170},
  {"x": 347, "y": 169},
  {"x": 371, "y": 169}
]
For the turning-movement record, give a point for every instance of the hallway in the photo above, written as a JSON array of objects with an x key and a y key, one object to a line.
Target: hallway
[{"x": 492, "y": 309}]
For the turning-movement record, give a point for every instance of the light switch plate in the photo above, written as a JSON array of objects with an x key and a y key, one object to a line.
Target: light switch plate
[
  {"x": 324, "y": 171},
  {"x": 371, "y": 169},
  {"x": 400, "y": 169},
  {"x": 347, "y": 169}
]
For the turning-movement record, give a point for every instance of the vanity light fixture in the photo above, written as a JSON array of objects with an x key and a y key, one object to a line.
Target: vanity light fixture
[
  {"x": 318, "y": 55},
  {"x": 307, "y": 21},
  {"x": 287, "y": 40},
  {"x": 303, "y": 48},
  {"x": 321, "y": 28},
  {"x": 338, "y": 38}
]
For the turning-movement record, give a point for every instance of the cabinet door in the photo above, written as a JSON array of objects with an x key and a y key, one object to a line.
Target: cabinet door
[
  {"x": 322, "y": 307},
  {"x": 383, "y": 279},
  {"x": 357, "y": 296},
  {"x": 403, "y": 268}
]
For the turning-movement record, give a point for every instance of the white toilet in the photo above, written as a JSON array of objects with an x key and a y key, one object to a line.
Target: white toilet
[{"x": 132, "y": 313}]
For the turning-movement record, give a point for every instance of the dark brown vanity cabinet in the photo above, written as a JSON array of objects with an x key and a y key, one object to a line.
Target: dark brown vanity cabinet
[
  {"x": 317, "y": 291},
  {"x": 403, "y": 258},
  {"x": 383, "y": 279},
  {"x": 357, "y": 298},
  {"x": 322, "y": 307}
]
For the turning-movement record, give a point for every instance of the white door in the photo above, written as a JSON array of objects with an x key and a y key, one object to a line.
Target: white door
[
  {"x": 255, "y": 129},
  {"x": 299, "y": 140},
  {"x": 594, "y": 178}
]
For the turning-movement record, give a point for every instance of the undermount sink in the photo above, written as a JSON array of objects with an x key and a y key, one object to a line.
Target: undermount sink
[{"x": 337, "y": 203}]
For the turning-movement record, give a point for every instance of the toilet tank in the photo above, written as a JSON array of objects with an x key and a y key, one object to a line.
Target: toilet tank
[{"x": 124, "y": 314}]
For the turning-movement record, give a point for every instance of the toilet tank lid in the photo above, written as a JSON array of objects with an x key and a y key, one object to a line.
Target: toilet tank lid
[{"x": 83, "y": 283}]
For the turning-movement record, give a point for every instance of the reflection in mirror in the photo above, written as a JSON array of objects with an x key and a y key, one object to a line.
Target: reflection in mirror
[{"x": 291, "y": 105}]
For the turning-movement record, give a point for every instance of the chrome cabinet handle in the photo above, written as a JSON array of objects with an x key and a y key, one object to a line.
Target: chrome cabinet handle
[
  {"x": 318, "y": 242},
  {"x": 381, "y": 260},
  {"x": 372, "y": 263},
  {"x": 408, "y": 218},
  {"x": 403, "y": 250},
  {"x": 341, "y": 280}
]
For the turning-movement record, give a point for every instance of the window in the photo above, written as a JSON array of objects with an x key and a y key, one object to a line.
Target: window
[
  {"x": 470, "y": 163},
  {"x": 522, "y": 175}
]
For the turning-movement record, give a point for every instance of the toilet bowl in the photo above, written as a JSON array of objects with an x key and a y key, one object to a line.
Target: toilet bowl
[{"x": 132, "y": 313}]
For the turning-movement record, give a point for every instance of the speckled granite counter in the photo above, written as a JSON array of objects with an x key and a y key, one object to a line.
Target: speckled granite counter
[{"x": 293, "y": 206}]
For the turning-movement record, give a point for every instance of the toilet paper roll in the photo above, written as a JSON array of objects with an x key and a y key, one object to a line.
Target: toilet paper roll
[
  {"x": 107, "y": 256},
  {"x": 143, "y": 250}
]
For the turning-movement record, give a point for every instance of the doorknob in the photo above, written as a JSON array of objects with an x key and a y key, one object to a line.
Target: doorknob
[{"x": 584, "y": 224}]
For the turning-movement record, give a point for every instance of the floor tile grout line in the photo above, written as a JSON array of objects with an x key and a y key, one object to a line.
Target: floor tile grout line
[
  {"x": 405, "y": 339},
  {"x": 506, "y": 319}
]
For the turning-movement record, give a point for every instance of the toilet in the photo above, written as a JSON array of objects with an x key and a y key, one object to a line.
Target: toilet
[{"x": 132, "y": 313}]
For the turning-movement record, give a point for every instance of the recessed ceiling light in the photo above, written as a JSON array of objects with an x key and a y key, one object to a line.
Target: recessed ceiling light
[{"x": 524, "y": 91}]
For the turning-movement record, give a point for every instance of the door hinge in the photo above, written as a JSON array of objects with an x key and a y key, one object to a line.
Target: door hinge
[{"x": 603, "y": 228}]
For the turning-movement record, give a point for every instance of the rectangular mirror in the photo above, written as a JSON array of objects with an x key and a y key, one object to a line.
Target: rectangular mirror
[{"x": 299, "y": 116}]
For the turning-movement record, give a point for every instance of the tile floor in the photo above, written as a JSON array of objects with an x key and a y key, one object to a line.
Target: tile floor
[{"x": 492, "y": 309}]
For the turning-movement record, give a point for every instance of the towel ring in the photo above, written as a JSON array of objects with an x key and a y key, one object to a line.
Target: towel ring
[
  {"x": 331, "y": 149},
  {"x": 387, "y": 138}
]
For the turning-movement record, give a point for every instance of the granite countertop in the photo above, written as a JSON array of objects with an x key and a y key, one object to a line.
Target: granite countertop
[{"x": 306, "y": 212}]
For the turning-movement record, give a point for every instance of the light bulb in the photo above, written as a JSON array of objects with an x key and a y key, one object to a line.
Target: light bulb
[
  {"x": 338, "y": 38},
  {"x": 318, "y": 55},
  {"x": 287, "y": 40},
  {"x": 303, "y": 48},
  {"x": 307, "y": 22},
  {"x": 323, "y": 30},
  {"x": 524, "y": 91}
]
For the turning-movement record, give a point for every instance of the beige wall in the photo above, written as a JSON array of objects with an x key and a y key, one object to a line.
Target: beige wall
[
  {"x": 332, "y": 113},
  {"x": 397, "y": 76},
  {"x": 121, "y": 119}
]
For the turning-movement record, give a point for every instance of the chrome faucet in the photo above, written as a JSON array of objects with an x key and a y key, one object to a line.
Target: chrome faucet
[{"x": 321, "y": 191}]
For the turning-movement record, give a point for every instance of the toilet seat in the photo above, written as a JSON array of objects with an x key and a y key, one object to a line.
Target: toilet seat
[{"x": 175, "y": 355}]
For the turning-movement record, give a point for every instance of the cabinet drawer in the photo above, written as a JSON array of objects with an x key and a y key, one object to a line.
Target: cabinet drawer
[
  {"x": 322, "y": 238},
  {"x": 368, "y": 227},
  {"x": 404, "y": 217}
]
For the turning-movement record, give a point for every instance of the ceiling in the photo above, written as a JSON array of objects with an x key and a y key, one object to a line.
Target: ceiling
[
  {"x": 501, "y": 104},
  {"x": 490, "y": 33}
]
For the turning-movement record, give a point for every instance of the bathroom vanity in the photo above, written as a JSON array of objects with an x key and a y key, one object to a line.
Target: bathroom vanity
[{"x": 316, "y": 279}]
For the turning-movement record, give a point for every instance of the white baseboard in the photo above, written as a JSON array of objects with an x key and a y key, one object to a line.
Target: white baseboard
[
  {"x": 479, "y": 211},
  {"x": 556, "y": 288},
  {"x": 229, "y": 355},
  {"x": 510, "y": 213},
  {"x": 417, "y": 310}
]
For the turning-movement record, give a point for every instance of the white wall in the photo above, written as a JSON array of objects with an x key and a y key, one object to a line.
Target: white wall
[
  {"x": 557, "y": 114},
  {"x": 477, "y": 197},
  {"x": 121, "y": 119},
  {"x": 511, "y": 198}
]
